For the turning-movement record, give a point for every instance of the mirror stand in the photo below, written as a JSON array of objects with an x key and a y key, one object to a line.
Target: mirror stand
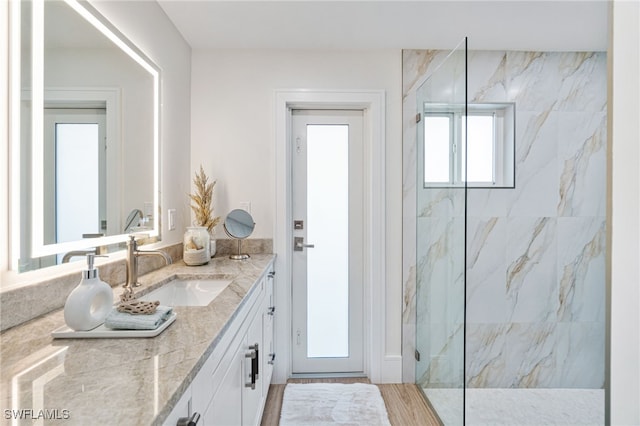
[
  {"x": 240, "y": 255},
  {"x": 238, "y": 225}
]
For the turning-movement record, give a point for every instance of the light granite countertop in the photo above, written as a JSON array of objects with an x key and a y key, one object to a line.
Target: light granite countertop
[{"x": 119, "y": 381}]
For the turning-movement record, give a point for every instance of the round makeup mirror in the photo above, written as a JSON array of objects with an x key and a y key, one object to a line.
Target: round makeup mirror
[{"x": 239, "y": 225}]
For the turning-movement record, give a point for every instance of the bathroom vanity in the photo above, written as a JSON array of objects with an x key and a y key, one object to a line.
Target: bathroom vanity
[{"x": 214, "y": 362}]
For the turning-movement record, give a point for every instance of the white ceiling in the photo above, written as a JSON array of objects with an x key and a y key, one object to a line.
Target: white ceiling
[{"x": 428, "y": 24}]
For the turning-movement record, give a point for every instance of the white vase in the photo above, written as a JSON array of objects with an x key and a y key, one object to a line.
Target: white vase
[{"x": 196, "y": 246}]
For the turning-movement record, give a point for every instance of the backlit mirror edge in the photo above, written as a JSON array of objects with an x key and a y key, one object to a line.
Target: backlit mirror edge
[{"x": 102, "y": 24}]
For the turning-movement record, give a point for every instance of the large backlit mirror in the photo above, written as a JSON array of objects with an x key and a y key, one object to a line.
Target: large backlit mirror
[{"x": 85, "y": 119}]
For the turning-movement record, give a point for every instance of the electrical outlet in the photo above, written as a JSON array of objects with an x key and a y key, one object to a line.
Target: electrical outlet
[
  {"x": 246, "y": 205},
  {"x": 171, "y": 219}
]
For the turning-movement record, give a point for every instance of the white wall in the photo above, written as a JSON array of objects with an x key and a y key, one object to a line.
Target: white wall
[
  {"x": 624, "y": 211},
  {"x": 157, "y": 37},
  {"x": 233, "y": 133}
]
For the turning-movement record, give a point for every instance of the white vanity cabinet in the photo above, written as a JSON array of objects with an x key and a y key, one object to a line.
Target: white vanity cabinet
[
  {"x": 181, "y": 410},
  {"x": 231, "y": 387}
]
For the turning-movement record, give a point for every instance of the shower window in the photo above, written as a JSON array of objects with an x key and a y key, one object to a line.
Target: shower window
[{"x": 476, "y": 148}]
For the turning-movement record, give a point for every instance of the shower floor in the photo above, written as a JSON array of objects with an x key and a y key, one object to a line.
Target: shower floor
[{"x": 520, "y": 407}]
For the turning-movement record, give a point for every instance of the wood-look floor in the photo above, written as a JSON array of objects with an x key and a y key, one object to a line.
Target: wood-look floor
[{"x": 405, "y": 405}]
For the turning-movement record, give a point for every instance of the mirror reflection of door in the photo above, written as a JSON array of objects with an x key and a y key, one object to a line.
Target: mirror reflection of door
[
  {"x": 75, "y": 173},
  {"x": 327, "y": 204}
]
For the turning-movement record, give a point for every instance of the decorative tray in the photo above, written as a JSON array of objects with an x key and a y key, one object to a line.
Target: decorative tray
[{"x": 102, "y": 332}]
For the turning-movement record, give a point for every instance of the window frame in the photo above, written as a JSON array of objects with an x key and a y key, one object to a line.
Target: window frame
[{"x": 503, "y": 143}]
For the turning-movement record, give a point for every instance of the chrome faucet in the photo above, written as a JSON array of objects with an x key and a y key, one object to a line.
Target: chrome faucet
[
  {"x": 98, "y": 250},
  {"x": 132, "y": 261},
  {"x": 76, "y": 253}
]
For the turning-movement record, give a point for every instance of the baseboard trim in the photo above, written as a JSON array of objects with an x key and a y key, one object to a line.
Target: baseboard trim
[{"x": 391, "y": 371}]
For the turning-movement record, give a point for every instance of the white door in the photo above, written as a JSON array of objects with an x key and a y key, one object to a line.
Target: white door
[
  {"x": 75, "y": 173},
  {"x": 327, "y": 198}
]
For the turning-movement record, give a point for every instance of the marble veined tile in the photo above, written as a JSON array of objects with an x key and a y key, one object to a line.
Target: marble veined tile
[
  {"x": 532, "y": 80},
  {"x": 565, "y": 81},
  {"x": 440, "y": 267},
  {"x": 486, "y": 76},
  {"x": 486, "y": 270},
  {"x": 531, "y": 357},
  {"x": 581, "y": 269},
  {"x": 536, "y": 191},
  {"x": 531, "y": 283},
  {"x": 446, "y": 366},
  {"x": 581, "y": 354},
  {"x": 488, "y": 202},
  {"x": 409, "y": 295},
  {"x": 409, "y": 154},
  {"x": 584, "y": 81},
  {"x": 486, "y": 355},
  {"x": 417, "y": 65},
  {"x": 582, "y": 140},
  {"x": 440, "y": 202},
  {"x": 446, "y": 85}
]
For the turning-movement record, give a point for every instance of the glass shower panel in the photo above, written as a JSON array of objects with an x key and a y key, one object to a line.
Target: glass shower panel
[{"x": 440, "y": 273}]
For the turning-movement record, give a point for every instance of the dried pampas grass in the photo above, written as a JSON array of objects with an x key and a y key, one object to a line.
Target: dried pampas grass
[{"x": 202, "y": 200}]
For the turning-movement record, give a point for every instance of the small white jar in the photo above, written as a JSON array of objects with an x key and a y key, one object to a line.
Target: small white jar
[
  {"x": 196, "y": 249},
  {"x": 213, "y": 246}
]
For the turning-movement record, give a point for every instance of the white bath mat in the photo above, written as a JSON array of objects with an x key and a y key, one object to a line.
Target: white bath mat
[{"x": 332, "y": 404}]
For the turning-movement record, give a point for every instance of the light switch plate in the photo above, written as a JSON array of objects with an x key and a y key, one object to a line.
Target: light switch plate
[
  {"x": 148, "y": 209},
  {"x": 171, "y": 219}
]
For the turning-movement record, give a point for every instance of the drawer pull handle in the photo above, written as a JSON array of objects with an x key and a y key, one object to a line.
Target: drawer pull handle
[
  {"x": 254, "y": 354},
  {"x": 189, "y": 421}
]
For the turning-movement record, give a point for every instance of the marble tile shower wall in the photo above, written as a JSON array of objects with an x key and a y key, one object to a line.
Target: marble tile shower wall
[{"x": 536, "y": 253}]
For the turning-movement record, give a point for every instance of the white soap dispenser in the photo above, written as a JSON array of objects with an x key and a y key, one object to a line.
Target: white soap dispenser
[{"x": 90, "y": 302}]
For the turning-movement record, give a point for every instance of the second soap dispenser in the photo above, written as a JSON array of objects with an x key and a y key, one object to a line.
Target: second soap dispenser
[{"x": 90, "y": 302}]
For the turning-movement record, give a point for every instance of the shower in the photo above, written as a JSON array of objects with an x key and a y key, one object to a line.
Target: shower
[{"x": 506, "y": 249}]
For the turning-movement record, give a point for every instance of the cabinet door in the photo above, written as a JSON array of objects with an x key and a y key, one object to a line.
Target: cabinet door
[
  {"x": 226, "y": 405},
  {"x": 182, "y": 409},
  {"x": 252, "y": 397}
]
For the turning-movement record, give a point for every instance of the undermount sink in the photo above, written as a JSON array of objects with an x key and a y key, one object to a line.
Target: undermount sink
[{"x": 189, "y": 291}]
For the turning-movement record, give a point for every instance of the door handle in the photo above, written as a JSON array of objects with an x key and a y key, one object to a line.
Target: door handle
[{"x": 298, "y": 244}]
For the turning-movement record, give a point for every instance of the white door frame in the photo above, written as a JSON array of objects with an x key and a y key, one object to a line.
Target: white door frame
[{"x": 372, "y": 102}]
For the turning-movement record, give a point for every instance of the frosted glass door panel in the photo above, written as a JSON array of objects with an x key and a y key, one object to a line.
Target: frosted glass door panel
[
  {"x": 328, "y": 229},
  {"x": 77, "y": 199}
]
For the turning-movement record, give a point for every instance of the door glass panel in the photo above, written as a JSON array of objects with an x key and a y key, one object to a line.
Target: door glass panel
[
  {"x": 440, "y": 252},
  {"x": 328, "y": 230},
  {"x": 76, "y": 181}
]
